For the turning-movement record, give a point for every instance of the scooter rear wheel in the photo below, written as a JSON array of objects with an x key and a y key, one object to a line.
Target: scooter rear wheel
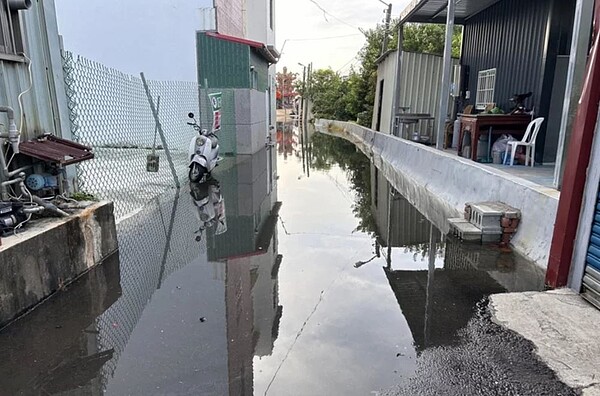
[{"x": 197, "y": 172}]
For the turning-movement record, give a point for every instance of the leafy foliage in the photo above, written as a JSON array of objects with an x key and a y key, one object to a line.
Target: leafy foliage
[
  {"x": 429, "y": 39},
  {"x": 352, "y": 97},
  {"x": 328, "y": 151}
]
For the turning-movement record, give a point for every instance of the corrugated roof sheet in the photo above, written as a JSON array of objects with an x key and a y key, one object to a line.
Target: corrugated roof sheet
[{"x": 434, "y": 11}]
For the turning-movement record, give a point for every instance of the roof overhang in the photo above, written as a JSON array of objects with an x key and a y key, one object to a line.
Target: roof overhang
[
  {"x": 269, "y": 53},
  {"x": 434, "y": 11}
]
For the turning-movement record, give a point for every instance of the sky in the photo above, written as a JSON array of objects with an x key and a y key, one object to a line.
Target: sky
[
  {"x": 303, "y": 19},
  {"x": 158, "y": 36}
]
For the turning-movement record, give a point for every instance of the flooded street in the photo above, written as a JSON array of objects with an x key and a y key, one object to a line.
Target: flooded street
[{"x": 307, "y": 282}]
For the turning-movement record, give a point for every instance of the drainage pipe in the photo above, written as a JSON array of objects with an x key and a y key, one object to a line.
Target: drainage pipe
[
  {"x": 13, "y": 132},
  {"x": 16, "y": 5}
]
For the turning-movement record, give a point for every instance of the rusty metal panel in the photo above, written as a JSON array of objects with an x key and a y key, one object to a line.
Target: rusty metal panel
[{"x": 59, "y": 151}]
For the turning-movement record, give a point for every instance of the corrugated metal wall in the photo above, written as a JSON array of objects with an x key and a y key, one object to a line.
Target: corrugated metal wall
[
  {"x": 509, "y": 36},
  {"x": 420, "y": 84},
  {"x": 409, "y": 226},
  {"x": 45, "y": 105},
  {"x": 419, "y": 89},
  {"x": 223, "y": 63}
]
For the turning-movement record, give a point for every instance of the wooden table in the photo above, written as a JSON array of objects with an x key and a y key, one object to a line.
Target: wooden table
[{"x": 494, "y": 124}]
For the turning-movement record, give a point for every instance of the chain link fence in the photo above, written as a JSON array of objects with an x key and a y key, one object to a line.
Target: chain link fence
[
  {"x": 110, "y": 112},
  {"x": 158, "y": 241}
]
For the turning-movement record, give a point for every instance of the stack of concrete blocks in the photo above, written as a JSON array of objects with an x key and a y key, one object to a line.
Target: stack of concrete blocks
[{"x": 487, "y": 222}]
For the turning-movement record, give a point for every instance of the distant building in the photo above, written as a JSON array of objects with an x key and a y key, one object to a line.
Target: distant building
[{"x": 237, "y": 55}]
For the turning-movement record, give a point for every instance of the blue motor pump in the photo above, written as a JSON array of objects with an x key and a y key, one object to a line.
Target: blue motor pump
[{"x": 37, "y": 182}]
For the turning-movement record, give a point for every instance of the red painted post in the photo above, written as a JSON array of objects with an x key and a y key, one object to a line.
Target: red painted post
[{"x": 578, "y": 158}]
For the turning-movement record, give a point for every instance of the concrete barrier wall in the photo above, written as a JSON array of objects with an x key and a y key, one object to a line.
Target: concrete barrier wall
[
  {"x": 439, "y": 184},
  {"x": 50, "y": 254}
]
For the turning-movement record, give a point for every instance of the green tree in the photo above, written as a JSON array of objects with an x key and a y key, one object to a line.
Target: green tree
[
  {"x": 430, "y": 38},
  {"x": 328, "y": 151},
  {"x": 352, "y": 98},
  {"x": 328, "y": 92}
]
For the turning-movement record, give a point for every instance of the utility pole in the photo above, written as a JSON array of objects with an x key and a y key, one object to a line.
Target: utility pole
[
  {"x": 388, "y": 19},
  {"x": 301, "y": 116}
]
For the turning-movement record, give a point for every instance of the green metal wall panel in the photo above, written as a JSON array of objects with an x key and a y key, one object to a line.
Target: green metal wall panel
[
  {"x": 224, "y": 64},
  {"x": 227, "y": 134},
  {"x": 261, "y": 68}
]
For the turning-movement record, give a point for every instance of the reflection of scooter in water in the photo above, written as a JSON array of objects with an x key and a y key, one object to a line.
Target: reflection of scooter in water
[{"x": 210, "y": 206}]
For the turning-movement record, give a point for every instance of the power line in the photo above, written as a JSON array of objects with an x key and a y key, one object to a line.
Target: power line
[
  {"x": 325, "y": 13},
  {"x": 352, "y": 60},
  {"x": 315, "y": 39},
  {"x": 324, "y": 38}
]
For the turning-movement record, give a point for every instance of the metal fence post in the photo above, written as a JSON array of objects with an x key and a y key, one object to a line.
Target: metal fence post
[{"x": 160, "y": 131}]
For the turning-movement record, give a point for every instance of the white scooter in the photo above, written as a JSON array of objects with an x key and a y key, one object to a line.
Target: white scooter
[
  {"x": 203, "y": 152},
  {"x": 210, "y": 207}
]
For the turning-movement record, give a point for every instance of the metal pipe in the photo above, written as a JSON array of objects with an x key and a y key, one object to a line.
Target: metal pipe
[
  {"x": 445, "y": 86},
  {"x": 10, "y": 112},
  {"x": 15, "y": 5},
  {"x": 13, "y": 132},
  {"x": 34, "y": 209},
  {"x": 46, "y": 205},
  {"x": 398, "y": 82},
  {"x": 388, "y": 18},
  {"x": 21, "y": 169}
]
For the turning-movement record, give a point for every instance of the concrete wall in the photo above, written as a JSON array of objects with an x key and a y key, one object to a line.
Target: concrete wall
[
  {"x": 258, "y": 21},
  {"x": 251, "y": 120},
  {"x": 42, "y": 259},
  {"x": 45, "y": 106},
  {"x": 439, "y": 184}
]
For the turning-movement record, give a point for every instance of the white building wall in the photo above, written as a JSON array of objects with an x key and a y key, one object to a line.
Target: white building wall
[
  {"x": 260, "y": 20},
  {"x": 45, "y": 106}
]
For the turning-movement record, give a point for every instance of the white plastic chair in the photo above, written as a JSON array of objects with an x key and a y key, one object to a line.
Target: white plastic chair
[{"x": 528, "y": 142}]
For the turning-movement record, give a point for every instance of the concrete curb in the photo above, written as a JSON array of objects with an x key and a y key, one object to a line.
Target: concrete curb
[
  {"x": 439, "y": 184},
  {"x": 563, "y": 328},
  {"x": 50, "y": 254}
]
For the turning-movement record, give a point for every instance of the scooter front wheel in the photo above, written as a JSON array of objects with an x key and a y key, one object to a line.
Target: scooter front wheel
[{"x": 197, "y": 172}]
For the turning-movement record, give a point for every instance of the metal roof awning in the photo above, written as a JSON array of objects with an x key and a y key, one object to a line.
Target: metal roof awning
[
  {"x": 56, "y": 150},
  {"x": 269, "y": 53},
  {"x": 434, "y": 11}
]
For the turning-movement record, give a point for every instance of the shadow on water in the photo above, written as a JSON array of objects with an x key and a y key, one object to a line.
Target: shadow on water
[
  {"x": 441, "y": 286},
  {"x": 193, "y": 303},
  {"x": 437, "y": 280},
  {"x": 189, "y": 300}
]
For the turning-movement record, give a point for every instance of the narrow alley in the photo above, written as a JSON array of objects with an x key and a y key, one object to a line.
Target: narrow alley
[{"x": 297, "y": 302}]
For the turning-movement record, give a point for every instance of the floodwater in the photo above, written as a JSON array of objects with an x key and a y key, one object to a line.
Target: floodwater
[{"x": 314, "y": 278}]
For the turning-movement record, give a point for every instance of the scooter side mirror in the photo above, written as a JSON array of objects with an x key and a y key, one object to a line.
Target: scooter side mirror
[{"x": 191, "y": 115}]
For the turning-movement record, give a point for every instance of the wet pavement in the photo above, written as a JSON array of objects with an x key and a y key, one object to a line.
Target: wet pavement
[{"x": 299, "y": 280}]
